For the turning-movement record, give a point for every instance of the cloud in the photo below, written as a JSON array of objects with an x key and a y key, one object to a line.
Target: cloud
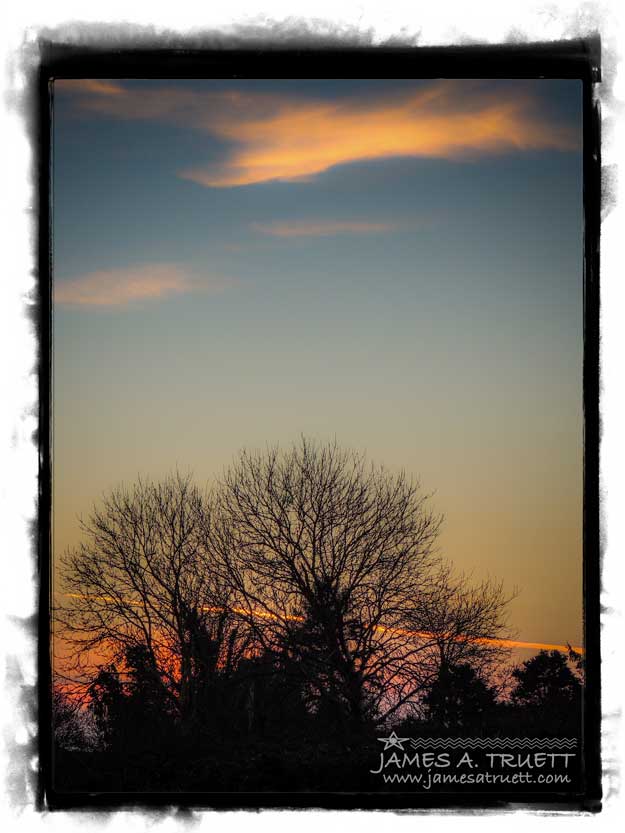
[
  {"x": 89, "y": 85},
  {"x": 121, "y": 287},
  {"x": 303, "y": 228},
  {"x": 286, "y": 137}
]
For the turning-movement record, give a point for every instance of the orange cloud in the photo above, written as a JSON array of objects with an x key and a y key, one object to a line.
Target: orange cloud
[
  {"x": 285, "y": 137},
  {"x": 303, "y": 228},
  {"x": 538, "y": 646},
  {"x": 308, "y": 139},
  {"x": 89, "y": 85},
  {"x": 265, "y": 614},
  {"x": 120, "y": 287}
]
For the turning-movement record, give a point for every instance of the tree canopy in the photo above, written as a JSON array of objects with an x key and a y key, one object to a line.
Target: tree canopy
[
  {"x": 308, "y": 562},
  {"x": 545, "y": 680}
]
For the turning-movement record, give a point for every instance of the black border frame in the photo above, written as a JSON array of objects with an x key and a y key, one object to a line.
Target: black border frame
[{"x": 576, "y": 59}]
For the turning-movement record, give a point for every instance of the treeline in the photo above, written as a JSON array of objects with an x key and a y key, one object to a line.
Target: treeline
[
  {"x": 258, "y": 634},
  {"x": 255, "y": 731}
]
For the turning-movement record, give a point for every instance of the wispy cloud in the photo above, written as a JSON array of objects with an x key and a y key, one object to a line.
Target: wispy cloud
[
  {"x": 90, "y": 85},
  {"x": 122, "y": 287},
  {"x": 304, "y": 228},
  {"x": 284, "y": 137}
]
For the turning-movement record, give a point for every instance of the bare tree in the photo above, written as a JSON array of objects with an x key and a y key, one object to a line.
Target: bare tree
[
  {"x": 460, "y": 623},
  {"x": 327, "y": 555},
  {"x": 69, "y": 721},
  {"x": 308, "y": 561},
  {"x": 141, "y": 583}
]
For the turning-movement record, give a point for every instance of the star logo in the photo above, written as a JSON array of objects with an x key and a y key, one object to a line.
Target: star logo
[{"x": 393, "y": 740}]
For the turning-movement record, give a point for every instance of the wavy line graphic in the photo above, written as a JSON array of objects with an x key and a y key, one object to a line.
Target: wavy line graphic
[{"x": 494, "y": 743}]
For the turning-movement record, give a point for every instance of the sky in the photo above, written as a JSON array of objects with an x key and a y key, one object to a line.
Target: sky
[{"x": 396, "y": 265}]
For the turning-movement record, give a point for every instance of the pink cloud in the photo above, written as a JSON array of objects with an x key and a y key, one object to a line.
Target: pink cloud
[
  {"x": 121, "y": 287},
  {"x": 303, "y": 228}
]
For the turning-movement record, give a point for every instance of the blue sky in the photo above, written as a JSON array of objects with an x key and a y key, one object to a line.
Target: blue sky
[{"x": 396, "y": 264}]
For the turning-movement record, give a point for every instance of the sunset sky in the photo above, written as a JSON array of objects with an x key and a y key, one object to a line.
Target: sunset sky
[{"x": 394, "y": 264}]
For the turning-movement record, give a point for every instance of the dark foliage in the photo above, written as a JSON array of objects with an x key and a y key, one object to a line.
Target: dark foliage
[
  {"x": 458, "y": 700},
  {"x": 548, "y": 693},
  {"x": 260, "y": 732},
  {"x": 545, "y": 681}
]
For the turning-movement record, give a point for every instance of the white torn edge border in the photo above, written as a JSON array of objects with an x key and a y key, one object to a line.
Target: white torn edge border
[{"x": 370, "y": 22}]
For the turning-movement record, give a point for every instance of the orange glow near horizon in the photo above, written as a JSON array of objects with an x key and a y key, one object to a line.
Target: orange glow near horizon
[{"x": 261, "y": 614}]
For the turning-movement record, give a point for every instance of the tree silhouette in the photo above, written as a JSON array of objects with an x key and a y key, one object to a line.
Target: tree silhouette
[
  {"x": 142, "y": 592},
  {"x": 466, "y": 625},
  {"x": 459, "y": 700},
  {"x": 330, "y": 687},
  {"x": 576, "y": 660},
  {"x": 107, "y": 704},
  {"x": 548, "y": 692},
  {"x": 303, "y": 597},
  {"x": 333, "y": 563},
  {"x": 269, "y": 699},
  {"x": 545, "y": 680},
  {"x": 69, "y": 729},
  {"x": 131, "y": 707}
]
